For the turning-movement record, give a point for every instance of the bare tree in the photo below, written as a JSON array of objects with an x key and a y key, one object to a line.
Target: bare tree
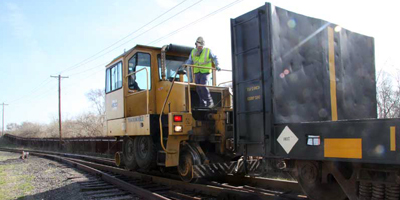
[
  {"x": 29, "y": 129},
  {"x": 97, "y": 98},
  {"x": 12, "y": 127},
  {"x": 88, "y": 124},
  {"x": 388, "y": 96}
]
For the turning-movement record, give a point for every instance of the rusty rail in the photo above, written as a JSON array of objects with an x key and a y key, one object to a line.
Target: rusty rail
[
  {"x": 214, "y": 190},
  {"x": 107, "y": 146}
]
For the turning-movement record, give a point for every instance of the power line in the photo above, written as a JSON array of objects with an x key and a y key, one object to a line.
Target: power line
[
  {"x": 88, "y": 69},
  {"x": 45, "y": 82},
  {"x": 42, "y": 95},
  {"x": 176, "y": 31},
  {"x": 157, "y": 40},
  {"x": 49, "y": 90},
  {"x": 45, "y": 94},
  {"x": 195, "y": 22},
  {"x": 83, "y": 62},
  {"x": 141, "y": 33},
  {"x": 173, "y": 32},
  {"x": 80, "y": 80}
]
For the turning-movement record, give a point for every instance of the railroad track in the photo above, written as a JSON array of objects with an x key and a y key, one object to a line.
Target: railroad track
[
  {"x": 96, "y": 188},
  {"x": 110, "y": 182}
]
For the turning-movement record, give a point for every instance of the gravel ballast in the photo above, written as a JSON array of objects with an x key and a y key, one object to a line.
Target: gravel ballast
[{"x": 38, "y": 178}]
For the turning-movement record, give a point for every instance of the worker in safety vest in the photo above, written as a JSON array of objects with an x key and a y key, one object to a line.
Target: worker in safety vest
[{"x": 203, "y": 57}]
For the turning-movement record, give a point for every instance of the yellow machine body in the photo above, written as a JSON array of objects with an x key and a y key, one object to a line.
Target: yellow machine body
[{"x": 133, "y": 111}]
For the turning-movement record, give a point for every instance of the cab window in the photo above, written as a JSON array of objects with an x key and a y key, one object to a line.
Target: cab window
[
  {"x": 138, "y": 81},
  {"x": 114, "y": 77},
  {"x": 172, "y": 63}
]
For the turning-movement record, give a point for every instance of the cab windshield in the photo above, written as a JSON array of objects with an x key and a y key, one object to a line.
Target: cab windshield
[{"x": 172, "y": 63}]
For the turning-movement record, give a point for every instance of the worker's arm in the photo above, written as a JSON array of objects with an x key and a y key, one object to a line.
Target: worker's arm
[
  {"x": 189, "y": 61},
  {"x": 215, "y": 60}
]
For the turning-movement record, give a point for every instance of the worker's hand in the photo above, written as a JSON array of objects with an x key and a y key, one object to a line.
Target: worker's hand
[{"x": 218, "y": 68}]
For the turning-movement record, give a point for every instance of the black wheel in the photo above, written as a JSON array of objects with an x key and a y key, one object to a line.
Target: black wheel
[
  {"x": 187, "y": 159},
  {"x": 145, "y": 152},
  {"x": 128, "y": 154},
  {"x": 309, "y": 178}
]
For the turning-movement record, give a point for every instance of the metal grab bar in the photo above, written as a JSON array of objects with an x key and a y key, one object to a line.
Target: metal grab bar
[
  {"x": 223, "y": 70},
  {"x": 161, "y": 113},
  {"x": 224, "y": 83},
  {"x": 190, "y": 67},
  {"x": 147, "y": 85},
  {"x": 189, "y": 100}
]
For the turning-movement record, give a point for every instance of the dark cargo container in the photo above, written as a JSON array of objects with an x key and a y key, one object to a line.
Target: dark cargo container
[{"x": 290, "y": 68}]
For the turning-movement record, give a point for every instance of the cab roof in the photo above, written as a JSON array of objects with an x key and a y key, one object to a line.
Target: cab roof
[
  {"x": 130, "y": 50},
  {"x": 170, "y": 48}
]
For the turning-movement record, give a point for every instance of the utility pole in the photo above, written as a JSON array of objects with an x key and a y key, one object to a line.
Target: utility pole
[
  {"x": 59, "y": 103},
  {"x": 2, "y": 131}
]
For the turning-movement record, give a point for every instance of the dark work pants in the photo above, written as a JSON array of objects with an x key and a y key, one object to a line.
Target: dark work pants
[{"x": 203, "y": 92}]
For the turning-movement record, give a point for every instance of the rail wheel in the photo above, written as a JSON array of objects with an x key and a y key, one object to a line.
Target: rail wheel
[
  {"x": 128, "y": 154},
  {"x": 145, "y": 152},
  {"x": 187, "y": 159},
  {"x": 309, "y": 178}
]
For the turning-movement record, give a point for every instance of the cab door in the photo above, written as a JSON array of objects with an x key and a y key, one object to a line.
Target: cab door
[
  {"x": 139, "y": 85},
  {"x": 115, "y": 99}
]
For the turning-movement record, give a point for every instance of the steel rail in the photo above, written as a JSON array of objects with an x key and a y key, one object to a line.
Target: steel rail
[
  {"x": 211, "y": 190},
  {"x": 106, "y": 161},
  {"x": 282, "y": 185},
  {"x": 79, "y": 139},
  {"x": 106, "y": 177},
  {"x": 204, "y": 189}
]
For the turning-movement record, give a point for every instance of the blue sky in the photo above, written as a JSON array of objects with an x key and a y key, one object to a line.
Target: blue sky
[{"x": 43, "y": 38}]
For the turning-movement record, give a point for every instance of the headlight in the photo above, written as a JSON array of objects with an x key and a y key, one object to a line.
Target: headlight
[{"x": 178, "y": 128}]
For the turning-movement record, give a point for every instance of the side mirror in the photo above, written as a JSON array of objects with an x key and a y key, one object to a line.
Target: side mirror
[{"x": 182, "y": 72}]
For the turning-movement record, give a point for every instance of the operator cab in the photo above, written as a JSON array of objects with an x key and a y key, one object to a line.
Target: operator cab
[{"x": 138, "y": 81}]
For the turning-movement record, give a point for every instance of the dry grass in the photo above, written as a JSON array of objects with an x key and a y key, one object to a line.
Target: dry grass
[
  {"x": 84, "y": 125},
  {"x": 14, "y": 183}
]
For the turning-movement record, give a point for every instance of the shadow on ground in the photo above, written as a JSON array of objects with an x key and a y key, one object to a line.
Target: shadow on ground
[{"x": 70, "y": 191}]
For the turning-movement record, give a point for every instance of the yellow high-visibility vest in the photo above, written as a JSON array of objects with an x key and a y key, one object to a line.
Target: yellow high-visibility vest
[{"x": 203, "y": 60}]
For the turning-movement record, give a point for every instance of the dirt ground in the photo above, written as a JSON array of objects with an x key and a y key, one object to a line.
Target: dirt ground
[{"x": 37, "y": 178}]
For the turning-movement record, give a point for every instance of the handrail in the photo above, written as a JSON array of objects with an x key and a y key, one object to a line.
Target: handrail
[
  {"x": 161, "y": 113},
  {"x": 189, "y": 100},
  {"x": 190, "y": 67},
  {"x": 223, "y": 70},
  {"x": 147, "y": 85},
  {"x": 224, "y": 83}
]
